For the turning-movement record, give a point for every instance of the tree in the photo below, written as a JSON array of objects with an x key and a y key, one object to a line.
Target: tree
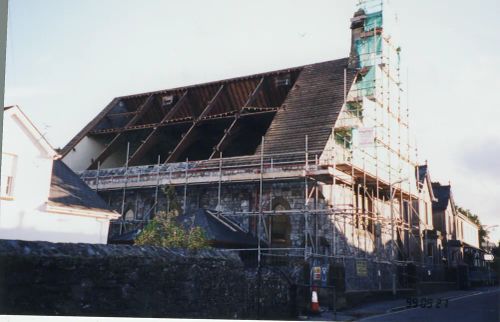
[
  {"x": 483, "y": 234},
  {"x": 163, "y": 230}
]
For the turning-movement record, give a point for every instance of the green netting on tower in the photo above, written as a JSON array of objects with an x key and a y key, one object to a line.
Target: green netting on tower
[
  {"x": 367, "y": 50},
  {"x": 370, "y": 6},
  {"x": 373, "y": 21},
  {"x": 365, "y": 85}
]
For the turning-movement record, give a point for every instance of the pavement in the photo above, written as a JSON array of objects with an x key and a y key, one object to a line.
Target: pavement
[{"x": 481, "y": 304}]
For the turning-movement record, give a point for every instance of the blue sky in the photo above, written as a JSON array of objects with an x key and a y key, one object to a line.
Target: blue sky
[{"x": 67, "y": 59}]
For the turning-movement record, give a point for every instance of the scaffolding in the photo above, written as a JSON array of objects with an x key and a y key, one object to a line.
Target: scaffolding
[{"x": 362, "y": 187}]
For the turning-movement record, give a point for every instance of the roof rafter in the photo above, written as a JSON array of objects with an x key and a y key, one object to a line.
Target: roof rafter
[
  {"x": 251, "y": 98},
  {"x": 148, "y": 142},
  {"x": 117, "y": 139},
  {"x": 187, "y": 137}
]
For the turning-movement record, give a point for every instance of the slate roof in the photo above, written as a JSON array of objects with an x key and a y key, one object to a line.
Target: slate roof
[
  {"x": 311, "y": 108},
  {"x": 125, "y": 238},
  {"x": 442, "y": 194},
  {"x": 218, "y": 229},
  {"x": 68, "y": 190},
  {"x": 422, "y": 173}
]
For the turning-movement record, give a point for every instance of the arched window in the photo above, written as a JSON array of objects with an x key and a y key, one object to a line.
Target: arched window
[
  {"x": 129, "y": 215},
  {"x": 279, "y": 225}
]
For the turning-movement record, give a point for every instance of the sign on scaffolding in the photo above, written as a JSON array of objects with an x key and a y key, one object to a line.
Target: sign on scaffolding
[
  {"x": 366, "y": 137},
  {"x": 319, "y": 275},
  {"x": 488, "y": 257},
  {"x": 361, "y": 268},
  {"x": 316, "y": 273}
]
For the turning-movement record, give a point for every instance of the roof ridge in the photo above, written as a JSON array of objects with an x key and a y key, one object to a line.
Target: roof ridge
[{"x": 231, "y": 79}]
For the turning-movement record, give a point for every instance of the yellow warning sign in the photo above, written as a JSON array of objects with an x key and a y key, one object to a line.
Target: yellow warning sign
[
  {"x": 317, "y": 273},
  {"x": 361, "y": 268}
]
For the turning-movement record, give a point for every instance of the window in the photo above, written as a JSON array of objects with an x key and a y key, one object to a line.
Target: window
[
  {"x": 343, "y": 137},
  {"x": 279, "y": 229},
  {"x": 279, "y": 226},
  {"x": 8, "y": 175},
  {"x": 167, "y": 100},
  {"x": 129, "y": 215},
  {"x": 283, "y": 81}
]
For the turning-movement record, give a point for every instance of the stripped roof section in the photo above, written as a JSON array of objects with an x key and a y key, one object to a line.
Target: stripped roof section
[
  {"x": 200, "y": 89},
  {"x": 227, "y": 117}
]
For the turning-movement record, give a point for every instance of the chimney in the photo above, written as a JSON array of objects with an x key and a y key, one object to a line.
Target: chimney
[{"x": 357, "y": 29}]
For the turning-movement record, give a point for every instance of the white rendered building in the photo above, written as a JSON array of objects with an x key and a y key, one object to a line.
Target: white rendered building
[{"x": 41, "y": 198}]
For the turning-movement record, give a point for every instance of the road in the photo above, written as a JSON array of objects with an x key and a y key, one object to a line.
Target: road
[{"x": 480, "y": 306}]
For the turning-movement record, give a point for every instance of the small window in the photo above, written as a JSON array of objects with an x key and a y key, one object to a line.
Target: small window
[
  {"x": 129, "y": 215},
  {"x": 284, "y": 81},
  {"x": 280, "y": 229},
  {"x": 279, "y": 226},
  {"x": 343, "y": 137},
  {"x": 167, "y": 100},
  {"x": 8, "y": 175}
]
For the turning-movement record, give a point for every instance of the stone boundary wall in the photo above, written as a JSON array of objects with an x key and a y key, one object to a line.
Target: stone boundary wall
[{"x": 133, "y": 281}]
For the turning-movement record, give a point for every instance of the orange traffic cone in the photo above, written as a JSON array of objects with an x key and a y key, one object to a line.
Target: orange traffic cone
[{"x": 314, "y": 301}]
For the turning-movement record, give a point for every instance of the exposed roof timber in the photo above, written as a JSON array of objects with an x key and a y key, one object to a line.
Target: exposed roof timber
[
  {"x": 219, "y": 82},
  {"x": 306, "y": 105},
  {"x": 184, "y": 142},
  {"x": 183, "y": 99},
  {"x": 121, "y": 114},
  {"x": 251, "y": 98},
  {"x": 220, "y": 145},
  {"x": 148, "y": 142},
  {"x": 245, "y": 111},
  {"x": 142, "y": 110},
  {"x": 211, "y": 104},
  {"x": 88, "y": 129},
  {"x": 118, "y": 138},
  {"x": 71, "y": 144}
]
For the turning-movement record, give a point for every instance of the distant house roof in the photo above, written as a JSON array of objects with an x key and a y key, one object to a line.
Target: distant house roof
[
  {"x": 68, "y": 190},
  {"x": 422, "y": 173},
  {"x": 125, "y": 238},
  {"x": 219, "y": 230},
  {"x": 443, "y": 195}
]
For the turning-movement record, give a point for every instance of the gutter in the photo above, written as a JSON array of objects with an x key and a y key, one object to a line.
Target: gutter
[{"x": 82, "y": 212}]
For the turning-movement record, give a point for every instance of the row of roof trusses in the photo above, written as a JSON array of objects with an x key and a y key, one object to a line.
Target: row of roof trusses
[
  {"x": 194, "y": 106},
  {"x": 125, "y": 107},
  {"x": 231, "y": 99}
]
